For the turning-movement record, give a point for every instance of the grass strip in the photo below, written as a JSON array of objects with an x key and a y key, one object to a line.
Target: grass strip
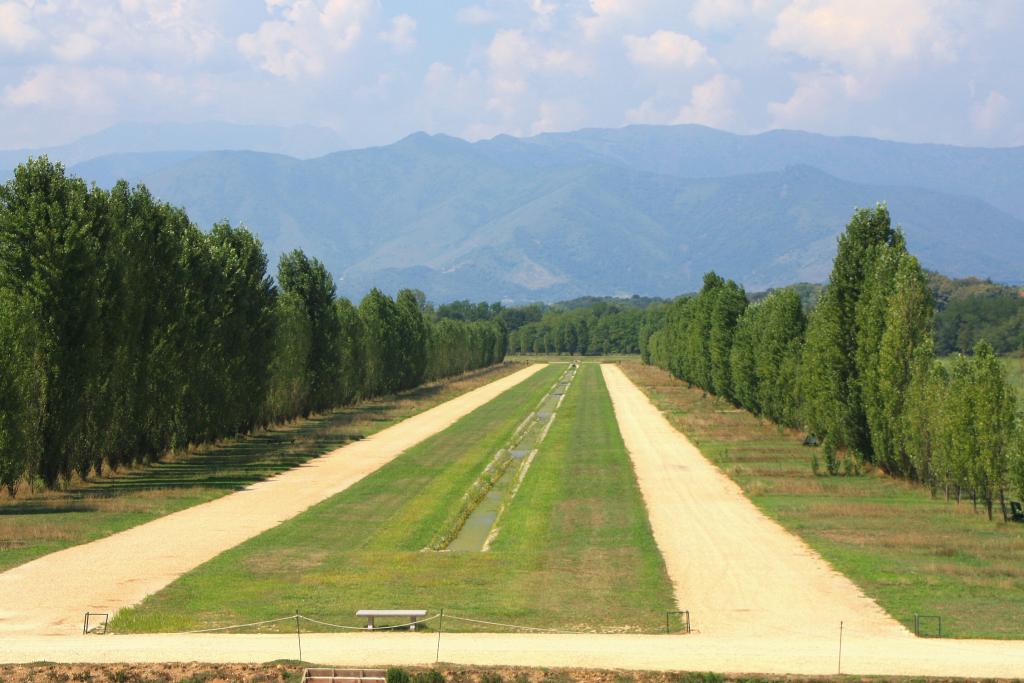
[
  {"x": 37, "y": 523},
  {"x": 575, "y": 552},
  {"x": 909, "y": 552}
]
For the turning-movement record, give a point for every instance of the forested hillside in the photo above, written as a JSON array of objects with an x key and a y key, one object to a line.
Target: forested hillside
[
  {"x": 127, "y": 331},
  {"x": 859, "y": 372},
  {"x": 642, "y": 210},
  {"x": 970, "y": 310},
  {"x": 693, "y": 151}
]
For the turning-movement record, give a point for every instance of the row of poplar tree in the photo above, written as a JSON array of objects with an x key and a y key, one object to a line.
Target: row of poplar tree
[
  {"x": 859, "y": 371},
  {"x": 126, "y": 331}
]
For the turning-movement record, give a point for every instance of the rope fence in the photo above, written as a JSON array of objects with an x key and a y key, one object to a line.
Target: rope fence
[
  {"x": 522, "y": 628},
  {"x": 403, "y": 626},
  {"x": 227, "y": 628},
  {"x": 442, "y": 615}
]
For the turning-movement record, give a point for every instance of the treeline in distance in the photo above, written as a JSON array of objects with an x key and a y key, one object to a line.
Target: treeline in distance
[
  {"x": 971, "y": 310},
  {"x": 859, "y": 371},
  {"x": 127, "y": 331}
]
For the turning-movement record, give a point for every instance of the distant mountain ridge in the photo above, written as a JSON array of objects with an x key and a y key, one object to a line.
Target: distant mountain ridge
[
  {"x": 639, "y": 210},
  {"x": 184, "y": 138},
  {"x": 692, "y": 151}
]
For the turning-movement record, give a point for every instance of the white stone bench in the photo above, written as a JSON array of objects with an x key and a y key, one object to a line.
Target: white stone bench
[{"x": 371, "y": 614}]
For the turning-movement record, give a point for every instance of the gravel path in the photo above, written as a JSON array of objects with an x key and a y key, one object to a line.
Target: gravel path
[
  {"x": 863, "y": 655},
  {"x": 49, "y": 595},
  {"x": 738, "y": 572}
]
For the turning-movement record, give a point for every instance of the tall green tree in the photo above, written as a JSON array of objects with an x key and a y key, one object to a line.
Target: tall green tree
[
  {"x": 382, "y": 343},
  {"x": 995, "y": 422},
  {"x": 310, "y": 280},
  {"x": 831, "y": 372},
  {"x": 908, "y": 324},
  {"x": 415, "y": 335},
  {"x": 728, "y": 304},
  {"x": 777, "y": 355},
  {"x": 242, "y": 325},
  {"x": 922, "y": 423},
  {"x": 352, "y": 352},
  {"x": 288, "y": 384},
  {"x": 743, "y": 358},
  {"x": 53, "y": 232}
]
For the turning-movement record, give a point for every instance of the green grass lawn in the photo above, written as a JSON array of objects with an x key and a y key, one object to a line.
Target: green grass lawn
[
  {"x": 575, "y": 549},
  {"x": 34, "y": 524},
  {"x": 910, "y": 552}
]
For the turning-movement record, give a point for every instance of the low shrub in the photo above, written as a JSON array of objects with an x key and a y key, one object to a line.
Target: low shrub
[{"x": 397, "y": 675}]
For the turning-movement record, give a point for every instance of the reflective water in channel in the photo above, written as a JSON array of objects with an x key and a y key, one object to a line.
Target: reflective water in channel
[{"x": 473, "y": 535}]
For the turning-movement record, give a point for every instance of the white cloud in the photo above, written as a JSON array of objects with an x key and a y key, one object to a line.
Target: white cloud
[
  {"x": 989, "y": 115},
  {"x": 439, "y": 75},
  {"x": 712, "y": 102},
  {"x": 545, "y": 13},
  {"x": 402, "y": 34},
  {"x": 716, "y": 14},
  {"x": 512, "y": 52},
  {"x": 812, "y": 103},
  {"x": 666, "y": 49},
  {"x": 647, "y": 111},
  {"x": 605, "y": 15},
  {"x": 117, "y": 35},
  {"x": 77, "y": 87},
  {"x": 558, "y": 115},
  {"x": 76, "y": 47},
  {"x": 303, "y": 38},
  {"x": 16, "y": 29},
  {"x": 475, "y": 15},
  {"x": 861, "y": 34}
]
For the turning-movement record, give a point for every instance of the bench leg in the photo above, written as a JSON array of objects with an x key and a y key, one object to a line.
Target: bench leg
[{"x": 369, "y": 623}]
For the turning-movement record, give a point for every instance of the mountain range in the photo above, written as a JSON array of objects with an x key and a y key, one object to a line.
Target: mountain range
[
  {"x": 183, "y": 139},
  {"x": 636, "y": 210}
]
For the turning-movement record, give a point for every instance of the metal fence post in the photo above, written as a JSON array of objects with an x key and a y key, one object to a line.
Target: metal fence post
[
  {"x": 840, "y": 667},
  {"x": 440, "y": 627}
]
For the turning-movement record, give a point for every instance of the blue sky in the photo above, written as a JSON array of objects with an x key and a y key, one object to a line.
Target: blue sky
[{"x": 916, "y": 70}]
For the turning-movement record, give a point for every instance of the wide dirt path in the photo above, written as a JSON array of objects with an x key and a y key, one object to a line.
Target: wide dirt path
[
  {"x": 737, "y": 572},
  {"x": 698, "y": 652},
  {"x": 49, "y": 595}
]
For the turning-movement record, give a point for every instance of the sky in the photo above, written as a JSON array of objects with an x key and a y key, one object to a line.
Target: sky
[{"x": 945, "y": 71}]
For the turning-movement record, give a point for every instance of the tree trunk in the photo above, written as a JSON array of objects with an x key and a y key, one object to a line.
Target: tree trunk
[
  {"x": 988, "y": 505},
  {"x": 1002, "y": 505}
]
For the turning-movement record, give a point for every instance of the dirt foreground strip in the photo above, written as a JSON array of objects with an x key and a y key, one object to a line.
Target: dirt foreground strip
[
  {"x": 769, "y": 655},
  {"x": 737, "y": 572},
  {"x": 49, "y": 595}
]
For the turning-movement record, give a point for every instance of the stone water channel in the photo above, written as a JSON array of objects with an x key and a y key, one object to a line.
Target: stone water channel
[{"x": 480, "y": 526}]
